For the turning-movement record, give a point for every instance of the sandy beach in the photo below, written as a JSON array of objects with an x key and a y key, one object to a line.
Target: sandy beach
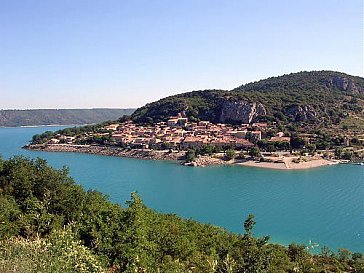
[{"x": 287, "y": 164}]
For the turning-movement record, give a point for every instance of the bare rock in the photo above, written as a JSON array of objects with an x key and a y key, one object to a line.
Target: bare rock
[
  {"x": 241, "y": 111},
  {"x": 301, "y": 112},
  {"x": 344, "y": 84}
]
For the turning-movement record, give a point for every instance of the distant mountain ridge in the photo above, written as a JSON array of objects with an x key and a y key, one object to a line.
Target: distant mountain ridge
[
  {"x": 321, "y": 98},
  {"x": 34, "y": 117}
]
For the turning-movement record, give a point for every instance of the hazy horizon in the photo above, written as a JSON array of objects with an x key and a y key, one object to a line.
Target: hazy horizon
[
  {"x": 89, "y": 108},
  {"x": 79, "y": 108},
  {"x": 124, "y": 54}
]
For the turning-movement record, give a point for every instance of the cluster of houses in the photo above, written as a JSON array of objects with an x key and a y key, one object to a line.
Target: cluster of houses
[{"x": 178, "y": 133}]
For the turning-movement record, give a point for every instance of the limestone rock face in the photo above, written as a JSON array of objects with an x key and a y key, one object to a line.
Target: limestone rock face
[
  {"x": 241, "y": 111},
  {"x": 344, "y": 84},
  {"x": 301, "y": 112}
]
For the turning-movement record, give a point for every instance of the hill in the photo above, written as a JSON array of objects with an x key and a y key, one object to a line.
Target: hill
[
  {"x": 12, "y": 118},
  {"x": 315, "y": 100}
]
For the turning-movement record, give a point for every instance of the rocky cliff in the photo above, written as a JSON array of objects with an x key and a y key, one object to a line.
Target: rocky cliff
[
  {"x": 301, "y": 112},
  {"x": 344, "y": 84},
  {"x": 241, "y": 112}
]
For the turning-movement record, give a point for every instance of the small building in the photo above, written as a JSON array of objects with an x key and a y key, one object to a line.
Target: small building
[
  {"x": 279, "y": 139},
  {"x": 112, "y": 127},
  {"x": 172, "y": 122},
  {"x": 54, "y": 141},
  {"x": 257, "y": 135},
  {"x": 192, "y": 142},
  {"x": 242, "y": 134},
  {"x": 69, "y": 139}
]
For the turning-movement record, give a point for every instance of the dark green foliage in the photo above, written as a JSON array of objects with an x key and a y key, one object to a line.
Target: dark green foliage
[
  {"x": 190, "y": 155},
  {"x": 254, "y": 152},
  {"x": 47, "y": 198},
  {"x": 249, "y": 224},
  {"x": 230, "y": 154},
  {"x": 241, "y": 156},
  {"x": 37, "y": 201},
  {"x": 297, "y": 142},
  {"x": 208, "y": 150},
  {"x": 76, "y": 131},
  {"x": 265, "y": 145},
  {"x": 347, "y": 155}
]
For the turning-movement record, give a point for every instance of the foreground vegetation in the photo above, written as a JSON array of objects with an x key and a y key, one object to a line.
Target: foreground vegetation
[{"x": 50, "y": 224}]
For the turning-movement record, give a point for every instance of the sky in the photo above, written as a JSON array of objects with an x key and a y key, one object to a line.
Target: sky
[{"x": 125, "y": 53}]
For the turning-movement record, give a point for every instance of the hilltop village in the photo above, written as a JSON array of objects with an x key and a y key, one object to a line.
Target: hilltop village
[
  {"x": 203, "y": 143},
  {"x": 179, "y": 134}
]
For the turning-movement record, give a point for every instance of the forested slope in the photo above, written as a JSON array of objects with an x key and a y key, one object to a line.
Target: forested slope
[{"x": 320, "y": 99}]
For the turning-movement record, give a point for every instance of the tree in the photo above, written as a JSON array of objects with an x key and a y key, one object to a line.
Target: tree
[
  {"x": 254, "y": 152},
  {"x": 190, "y": 155},
  {"x": 338, "y": 152},
  {"x": 347, "y": 155},
  {"x": 230, "y": 154},
  {"x": 271, "y": 148},
  {"x": 249, "y": 225},
  {"x": 311, "y": 147},
  {"x": 241, "y": 156},
  {"x": 208, "y": 149},
  {"x": 299, "y": 257},
  {"x": 297, "y": 143},
  {"x": 138, "y": 250},
  {"x": 255, "y": 256}
]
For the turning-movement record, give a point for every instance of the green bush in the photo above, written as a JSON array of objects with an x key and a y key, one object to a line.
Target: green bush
[{"x": 230, "y": 154}]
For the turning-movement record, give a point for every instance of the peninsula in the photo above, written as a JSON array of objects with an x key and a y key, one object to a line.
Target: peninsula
[{"x": 296, "y": 121}]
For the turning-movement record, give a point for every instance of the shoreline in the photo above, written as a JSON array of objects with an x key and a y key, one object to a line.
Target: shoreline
[
  {"x": 108, "y": 151},
  {"x": 44, "y": 125},
  {"x": 284, "y": 163}
]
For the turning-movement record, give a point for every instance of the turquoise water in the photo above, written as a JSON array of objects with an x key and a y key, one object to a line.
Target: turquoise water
[{"x": 325, "y": 205}]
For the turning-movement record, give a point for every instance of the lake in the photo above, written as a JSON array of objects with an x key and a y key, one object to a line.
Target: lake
[{"x": 325, "y": 205}]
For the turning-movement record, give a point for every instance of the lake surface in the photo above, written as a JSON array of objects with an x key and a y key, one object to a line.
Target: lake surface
[{"x": 325, "y": 205}]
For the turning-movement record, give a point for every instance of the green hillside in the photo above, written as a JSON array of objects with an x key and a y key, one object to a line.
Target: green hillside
[
  {"x": 320, "y": 99},
  {"x": 11, "y": 118}
]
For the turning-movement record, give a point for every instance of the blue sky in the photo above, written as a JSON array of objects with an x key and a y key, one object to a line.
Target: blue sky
[{"x": 125, "y": 53}]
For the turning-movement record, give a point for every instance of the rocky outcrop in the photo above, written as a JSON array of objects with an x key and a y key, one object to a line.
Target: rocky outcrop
[
  {"x": 344, "y": 84},
  {"x": 301, "y": 112},
  {"x": 241, "y": 111}
]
